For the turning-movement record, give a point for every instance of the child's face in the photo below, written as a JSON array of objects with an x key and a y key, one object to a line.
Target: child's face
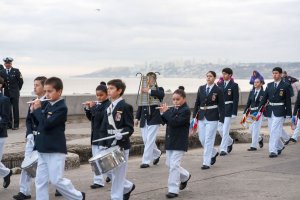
[
  {"x": 52, "y": 93},
  {"x": 226, "y": 76},
  {"x": 101, "y": 96},
  {"x": 257, "y": 84},
  {"x": 210, "y": 79},
  {"x": 276, "y": 75},
  {"x": 38, "y": 88},
  {"x": 178, "y": 100},
  {"x": 113, "y": 92}
]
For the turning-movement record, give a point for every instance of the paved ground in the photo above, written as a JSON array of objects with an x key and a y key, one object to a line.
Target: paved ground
[{"x": 240, "y": 175}]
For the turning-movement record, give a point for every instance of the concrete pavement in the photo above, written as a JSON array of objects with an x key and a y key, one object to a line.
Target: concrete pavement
[{"x": 240, "y": 175}]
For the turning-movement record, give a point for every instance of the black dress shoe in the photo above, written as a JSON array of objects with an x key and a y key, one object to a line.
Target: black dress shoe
[
  {"x": 204, "y": 167},
  {"x": 57, "y": 193},
  {"x": 252, "y": 149},
  {"x": 107, "y": 180},
  {"x": 214, "y": 159},
  {"x": 127, "y": 195},
  {"x": 156, "y": 161},
  {"x": 229, "y": 148},
  {"x": 6, "y": 179},
  {"x": 21, "y": 196},
  {"x": 293, "y": 140},
  {"x": 184, "y": 184},
  {"x": 171, "y": 195},
  {"x": 144, "y": 166},
  {"x": 96, "y": 186},
  {"x": 223, "y": 153},
  {"x": 261, "y": 143},
  {"x": 279, "y": 151},
  {"x": 83, "y": 195},
  {"x": 273, "y": 155}
]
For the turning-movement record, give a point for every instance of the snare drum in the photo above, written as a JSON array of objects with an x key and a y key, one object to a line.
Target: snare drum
[
  {"x": 107, "y": 160},
  {"x": 30, "y": 164}
]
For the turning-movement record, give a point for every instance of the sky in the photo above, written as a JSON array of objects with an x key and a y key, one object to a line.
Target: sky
[{"x": 67, "y": 37}]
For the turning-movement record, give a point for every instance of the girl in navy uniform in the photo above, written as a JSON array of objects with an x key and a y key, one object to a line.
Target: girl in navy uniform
[
  {"x": 255, "y": 96},
  {"x": 231, "y": 99},
  {"x": 95, "y": 112},
  {"x": 296, "y": 114},
  {"x": 119, "y": 119},
  {"x": 177, "y": 132},
  {"x": 210, "y": 109},
  {"x": 51, "y": 143},
  {"x": 4, "y": 120},
  {"x": 150, "y": 121}
]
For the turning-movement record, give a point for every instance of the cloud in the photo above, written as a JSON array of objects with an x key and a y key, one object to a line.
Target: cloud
[{"x": 53, "y": 36}]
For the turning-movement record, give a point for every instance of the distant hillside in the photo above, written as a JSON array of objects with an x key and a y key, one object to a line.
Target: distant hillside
[{"x": 189, "y": 70}]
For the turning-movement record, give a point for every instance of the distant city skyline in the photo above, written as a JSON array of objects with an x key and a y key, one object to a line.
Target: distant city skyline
[{"x": 66, "y": 38}]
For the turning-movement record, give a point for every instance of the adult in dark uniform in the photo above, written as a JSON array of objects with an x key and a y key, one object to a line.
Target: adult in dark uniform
[
  {"x": 231, "y": 99},
  {"x": 1, "y": 67},
  {"x": 13, "y": 84},
  {"x": 279, "y": 107}
]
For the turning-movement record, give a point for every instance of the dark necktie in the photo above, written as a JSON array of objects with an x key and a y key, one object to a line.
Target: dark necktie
[
  {"x": 255, "y": 95},
  {"x": 7, "y": 71},
  {"x": 207, "y": 91},
  {"x": 275, "y": 86}
]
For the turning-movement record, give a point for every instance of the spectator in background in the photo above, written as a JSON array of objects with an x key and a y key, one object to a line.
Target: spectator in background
[
  {"x": 1, "y": 67},
  {"x": 288, "y": 79},
  {"x": 13, "y": 84},
  {"x": 256, "y": 75}
]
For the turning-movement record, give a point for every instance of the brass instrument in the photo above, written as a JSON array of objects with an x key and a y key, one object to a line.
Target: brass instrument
[{"x": 143, "y": 98}]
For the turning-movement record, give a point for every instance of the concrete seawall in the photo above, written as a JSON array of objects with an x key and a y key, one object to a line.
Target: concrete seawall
[{"x": 74, "y": 102}]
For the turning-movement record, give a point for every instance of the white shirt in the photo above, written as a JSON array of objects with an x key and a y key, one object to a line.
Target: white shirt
[
  {"x": 226, "y": 83},
  {"x": 210, "y": 87},
  {"x": 114, "y": 103},
  {"x": 257, "y": 92}
]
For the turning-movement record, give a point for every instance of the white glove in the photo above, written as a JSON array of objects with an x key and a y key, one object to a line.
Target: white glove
[
  {"x": 288, "y": 117},
  {"x": 119, "y": 136},
  {"x": 233, "y": 116}
]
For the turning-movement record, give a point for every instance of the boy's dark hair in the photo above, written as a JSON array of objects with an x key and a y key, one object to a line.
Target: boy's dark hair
[
  {"x": 277, "y": 69},
  {"x": 56, "y": 83},
  {"x": 2, "y": 82},
  {"x": 213, "y": 73},
  {"x": 227, "y": 71},
  {"x": 180, "y": 91},
  {"x": 119, "y": 84},
  {"x": 102, "y": 87},
  {"x": 42, "y": 79}
]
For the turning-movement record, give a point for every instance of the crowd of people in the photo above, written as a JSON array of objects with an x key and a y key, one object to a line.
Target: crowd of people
[{"x": 216, "y": 105}]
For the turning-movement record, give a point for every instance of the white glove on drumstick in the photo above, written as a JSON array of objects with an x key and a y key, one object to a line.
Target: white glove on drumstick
[{"x": 119, "y": 136}]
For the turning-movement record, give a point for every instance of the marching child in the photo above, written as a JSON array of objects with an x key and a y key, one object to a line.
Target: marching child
[
  {"x": 95, "y": 111},
  {"x": 178, "y": 122},
  {"x": 117, "y": 120},
  {"x": 51, "y": 143}
]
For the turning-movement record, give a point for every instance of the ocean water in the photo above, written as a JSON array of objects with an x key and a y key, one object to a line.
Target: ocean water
[{"x": 88, "y": 85}]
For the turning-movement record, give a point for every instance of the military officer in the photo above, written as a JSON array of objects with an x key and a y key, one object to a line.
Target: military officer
[{"x": 13, "y": 84}]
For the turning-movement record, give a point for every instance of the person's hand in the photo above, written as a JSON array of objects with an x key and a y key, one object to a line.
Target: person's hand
[
  {"x": 36, "y": 104},
  {"x": 29, "y": 137},
  {"x": 119, "y": 136},
  {"x": 136, "y": 122},
  {"x": 294, "y": 119},
  {"x": 233, "y": 116},
  {"x": 145, "y": 89},
  {"x": 163, "y": 108}
]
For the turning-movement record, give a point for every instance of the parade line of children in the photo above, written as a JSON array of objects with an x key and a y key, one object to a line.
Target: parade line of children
[{"x": 215, "y": 107}]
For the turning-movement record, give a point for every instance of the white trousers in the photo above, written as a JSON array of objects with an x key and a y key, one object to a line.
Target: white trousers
[
  {"x": 4, "y": 171},
  {"x": 284, "y": 135},
  {"x": 99, "y": 179},
  {"x": 223, "y": 129},
  {"x": 51, "y": 168},
  {"x": 207, "y": 131},
  {"x": 177, "y": 174},
  {"x": 25, "y": 179},
  {"x": 275, "y": 125},
  {"x": 120, "y": 185},
  {"x": 255, "y": 132},
  {"x": 151, "y": 152},
  {"x": 296, "y": 131}
]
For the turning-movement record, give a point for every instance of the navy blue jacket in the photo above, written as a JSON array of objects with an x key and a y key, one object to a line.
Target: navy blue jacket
[
  {"x": 215, "y": 97},
  {"x": 123, "y": 117},
  {"x": 177, "y": 132},
  {"x": 231, "y": 93},
  {"x": 297, "y": 106},
  {"x": 96, "y": 115},
  {"x": 13, "y": 82},
  {"x": 280, "y": 95},
  {"x": 153, "y": 117},
  {"x": 51, "y": 128},
  {"x": 252, "y": 103},
  {"x": 4, "y": 114}
]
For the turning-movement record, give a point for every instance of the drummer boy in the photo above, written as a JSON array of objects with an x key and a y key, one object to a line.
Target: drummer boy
[
  {"x": 119, "y": 119},
  {"x": 51, "y": 143}
]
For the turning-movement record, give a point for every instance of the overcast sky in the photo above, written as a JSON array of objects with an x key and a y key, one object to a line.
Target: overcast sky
[{"x": 67, "y": 37}]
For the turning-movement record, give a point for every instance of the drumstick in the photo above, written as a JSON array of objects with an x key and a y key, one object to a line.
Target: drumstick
[
  {"x": 109, "y": 137},
  {"x": 40, "y": 100},
  {"x": 159, "y": 107}
]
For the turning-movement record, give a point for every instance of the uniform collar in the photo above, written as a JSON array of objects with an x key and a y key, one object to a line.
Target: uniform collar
[
  {"x": 54, "y": 102},
  {"x": 114, "y": 103}
]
